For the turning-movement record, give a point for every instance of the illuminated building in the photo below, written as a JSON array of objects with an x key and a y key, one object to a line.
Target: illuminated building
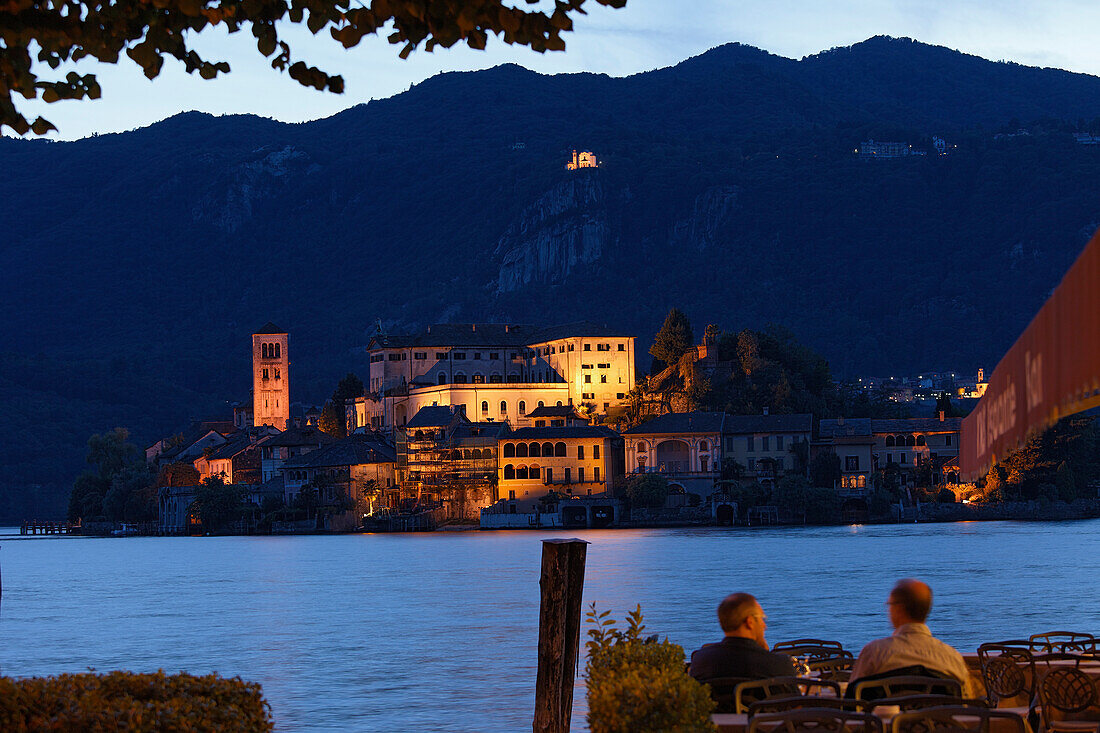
[
  {"x": 572, "y": 460},
  {"x": 584, "y": 159},
  {"x": 270, "y": 377}
]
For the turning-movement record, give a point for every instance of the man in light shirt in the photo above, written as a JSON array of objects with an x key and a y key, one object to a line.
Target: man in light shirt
[{"x": 912, "y": 643}]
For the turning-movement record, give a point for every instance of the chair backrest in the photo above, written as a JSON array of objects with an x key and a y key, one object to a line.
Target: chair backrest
[
  {"x": 1061, "y": 660},
  {"x": 797, "y": 702},
  {"x": 723, "y": 690},
  {"x": 899, "y": 685},
  {"x": 1007, "y": 672},
  {"x": 783, "y": 646},
  {"x": 815, "y": 720},
  {"x": 1067, "y": 690},
  {"x": 749, "y": 692},
  {"x": 832, "y": 668},
  {"x": 1065, "y": 641},
  {"x": 954, "y": 718},
  {"x": 919, "y": 702}
]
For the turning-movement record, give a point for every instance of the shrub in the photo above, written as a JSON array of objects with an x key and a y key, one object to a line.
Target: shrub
[
  {"x": 640, "y": 685},
  {"x": 132, "y": 702},
  {"x": 946, "y": 496}
]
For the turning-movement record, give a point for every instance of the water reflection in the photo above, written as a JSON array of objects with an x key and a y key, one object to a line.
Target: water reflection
[{"x": 438, "y": 631}]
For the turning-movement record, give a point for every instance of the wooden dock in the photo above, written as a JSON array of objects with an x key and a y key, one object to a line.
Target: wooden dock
[{"x": 34, "y": 526}]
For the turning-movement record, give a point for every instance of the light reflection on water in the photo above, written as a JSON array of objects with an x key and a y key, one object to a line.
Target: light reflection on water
[{"x": 439, "y": 631}]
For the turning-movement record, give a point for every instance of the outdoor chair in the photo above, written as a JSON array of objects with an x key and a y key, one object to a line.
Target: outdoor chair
[
  {"x": 920, "y": 702},
  {"x": 1065, "y": 641},
  {"x": 723, "y": 692},
  {"x": 832, "y": 668},
  {"x": 1008, "y": 674},
  {"x": 905, "y": 684},
  {"x": 1069, "y": 701},
  {"x": 798, "y": 702},
  {"x": 747, "y": 693},
  {"x": 784, "y": 646},
  {"x": 957, "y": 718},
  {"x": 815, "y": 720}
]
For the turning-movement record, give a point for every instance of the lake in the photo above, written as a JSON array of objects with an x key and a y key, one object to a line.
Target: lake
[{"x": 439, "y": 631}]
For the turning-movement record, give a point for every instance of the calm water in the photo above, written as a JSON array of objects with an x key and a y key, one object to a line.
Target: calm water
[{"x": 438, "y": 631}]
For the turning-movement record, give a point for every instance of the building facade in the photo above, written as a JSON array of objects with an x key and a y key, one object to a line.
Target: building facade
[
  {"x": 907, "y": 446},
  {"x": 573, "y": 460},
  {"x": 270, "y": 377}
]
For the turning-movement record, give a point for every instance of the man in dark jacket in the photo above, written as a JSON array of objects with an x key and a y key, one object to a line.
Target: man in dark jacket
[{"x": 744, "y": 652}]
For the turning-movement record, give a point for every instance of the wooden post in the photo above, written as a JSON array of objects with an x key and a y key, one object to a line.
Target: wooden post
[{"x": 562, "y": 583}]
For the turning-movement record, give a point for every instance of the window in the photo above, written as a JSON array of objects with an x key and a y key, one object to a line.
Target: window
[
  {"x": 265, "y": 374},
  {"x": 703, "y": 445},
  {"x": 703, "y": 465},
  {"x": 440, "y": 355},
  {"x": 559, "y": 451},
  {"x": 588, "y": 379},
  {"x": 495, "y": 378},
  {"x": 395, "y": 357},
  {"x": 458, "y": 355},
  {"x": 596, "y": 474},
  {"x": 570, "y": 347},
  {"x": 750, "y": 443},
  {"x": 533, "y": 472},
  {"x": 580, "y": 452},
  {"x": 263, "y": 351},
  {"x": 484, "y": 407},
  {"x": 521, "y": 450},
  {"x": 890, "y": 442},
  {"x": 889, "y": 458},
  {"x": 420, "y": 355},
  {"x": 622, "y": 347},
  {"x": 603, "y": 379},
  {"x": 580, "y": 474},
  {"x": 522, "y": 407},
  {"x": 540, "y": 404},
  {"x": 603, "y": 366},
  {"x": 568, "y": 477},
  {"x": 494, "y": 355},
  {"x": 277, "y": 374},
  {"x": 278, "y": 351},
  {"x": 479, "y": 379},
  {"x": 902, "y": 459},
  {"x": 509, "y": 450},
  {"x": 442, "y": 378},
  {"x": 588, "y": 347},
  {"x": 375, "y": 358},
  {"x": 534, "y": 450},
  {"x": 779, "y": 442},
  {"x": 551, "y": 349},
  {"x": 948, "y": 437},
  {"x": 606, "y": 406},
  {"x": 521, "y": 472},
  {"x": 603, "y": 347},
  {"x": 764, "y": 442},
  {"x": 588, "y": 395},
  {"x": 460, "y": 378},
  {"x": 851, "y": 463},
  {"x": 751, "y": 464},
  {"x": 549, "y": 475},
  {"x": 503, "y": 407},
  {"x": 586, "y": 366}
]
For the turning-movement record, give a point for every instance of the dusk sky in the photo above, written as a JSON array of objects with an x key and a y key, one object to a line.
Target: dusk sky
[{"x": 647, "y": 34}]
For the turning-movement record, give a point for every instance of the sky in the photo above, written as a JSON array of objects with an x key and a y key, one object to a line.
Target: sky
[{"x": 646, "y": 34}]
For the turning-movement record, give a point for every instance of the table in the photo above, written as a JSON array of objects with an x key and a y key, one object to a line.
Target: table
[{"x": 739, "y": 722}]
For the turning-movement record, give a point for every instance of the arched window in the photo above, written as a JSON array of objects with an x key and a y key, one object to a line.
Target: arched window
[
  {"x": 477, "y": 454},
  {"x": 460, "y": 378},
  {"x": 522, "y": 407},
  {"x": 509, "y": 472},
  {"x": 559, "y": 450},
  {"x": 509, "y": 450},
  {"x": 548, "y": 449},
  {"x": 909, "y": 440},
  {"x": 921, "y": 440},
  {"x": 703, "y": 445},
  {"x": 521, "y": 450},
  {"x": 642, "y": 448},
  {"x": 487, "y": 453},
  {"x": 278, "y": 351},
  {"x": 540, "y": 404},
  {"x": 456, "y": 455},
  {"x": 263, "y": 351},
  {"x": 495, "y": 378},
  {"x": 469, "y": 454},
  {"x": 521, "y": 472},
  {"x": 533, "y": 472},
  {"x": 890, "y": 442},
  {"x": 442, "y": 378},
  {"x": 559, "y": 403},
  {"x": 862, "y": 481},
  {"x": 534, "y": 450},
  {"x": 503, "y": 407},
  {"x": 485, "y": 406},
  {"x": 479, "y": 378}
]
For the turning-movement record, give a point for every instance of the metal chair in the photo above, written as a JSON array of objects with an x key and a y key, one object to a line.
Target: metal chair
[
  {"x": 949, "y": 719},
  {"x": 798, "y": 702},
  {"x": 1065, "y": 641},
  {"x": 901, "y": 685},
  {"x": 815, "y": 720},
  {"x": 832, "y": 668},
  {"x": 1068, "y": 691},
  {"x": 1008, "y": 674},
  {"x": 920, "y": 702},
  {"x": 747, "y": 693},
  {"x": 784, "y": 646},
  {"x": 723, "y": 690}
]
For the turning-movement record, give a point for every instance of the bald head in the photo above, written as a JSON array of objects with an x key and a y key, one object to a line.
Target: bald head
[{"x": 910, "y": 602}]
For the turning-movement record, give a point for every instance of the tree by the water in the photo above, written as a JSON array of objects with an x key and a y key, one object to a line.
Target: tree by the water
[{"x": 36, "y": 32}]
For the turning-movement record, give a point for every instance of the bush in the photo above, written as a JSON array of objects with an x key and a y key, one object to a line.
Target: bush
[
  {"x": 132, "y": 702},
  {"x": 640, "y": 685},
  {"x": 946, "y": 496}
]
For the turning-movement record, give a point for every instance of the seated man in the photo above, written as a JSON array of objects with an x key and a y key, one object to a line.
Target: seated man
[
  {"x": 744, "y": 652},
  {"x": 912, "y": 644}
]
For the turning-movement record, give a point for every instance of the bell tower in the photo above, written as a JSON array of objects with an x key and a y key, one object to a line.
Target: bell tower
[{"x": 270, "y": 377}]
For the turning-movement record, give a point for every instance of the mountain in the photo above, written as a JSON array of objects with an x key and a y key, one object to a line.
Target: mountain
[{"x": 728, "y": 187}]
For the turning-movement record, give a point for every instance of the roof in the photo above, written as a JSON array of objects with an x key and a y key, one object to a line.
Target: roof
[
  {"x": 556, "y": 411},
  {"x": 308, "y": 435},
  {"x": 238, "y": 444},
  {"x": 433, "y": 416},
  {"x": 352, "y": 451},
  {"x": 796, "y": 423},
  {"x": 845, "y": 427},
  {"x": 487, "y": 430},
  {"x": 569, "y": 431},
  {"x": 681, "y": 422},
  {"x": 490, "y": 334},
  {"x": 270, "y": 328},
  {"x": 917, "y": 425}
]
